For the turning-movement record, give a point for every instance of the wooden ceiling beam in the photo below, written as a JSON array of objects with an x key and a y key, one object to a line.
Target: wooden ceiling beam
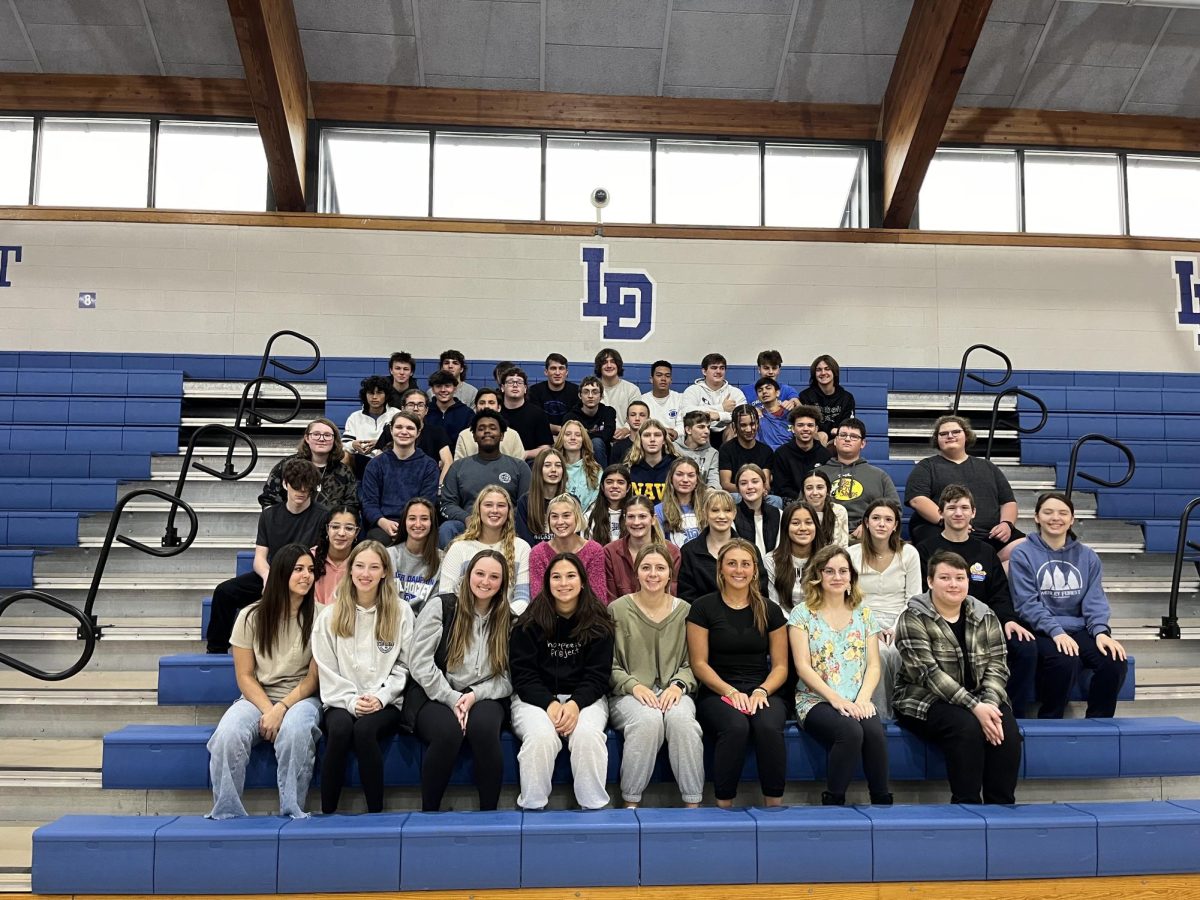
[
  {"x": 937, "y": 45},
  {"x": 150, "y": 95},
  {"x": 277, "y": 81}
]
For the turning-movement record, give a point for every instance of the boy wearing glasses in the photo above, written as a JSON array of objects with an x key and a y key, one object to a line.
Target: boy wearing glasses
[
  {"x": 526, "y": 419},
  {"x": 856, "y": 483},
  {"x": 995, "y": 503}
]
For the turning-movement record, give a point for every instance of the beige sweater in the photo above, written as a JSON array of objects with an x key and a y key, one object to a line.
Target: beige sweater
[{"x": 649, "y": 653}]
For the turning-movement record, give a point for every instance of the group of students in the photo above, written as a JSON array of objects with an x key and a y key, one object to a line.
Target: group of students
[{"x": 618, "y": 639}]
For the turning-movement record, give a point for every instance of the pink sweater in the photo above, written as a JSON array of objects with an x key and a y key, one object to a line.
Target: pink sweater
[{"x": 590, "y": 554}]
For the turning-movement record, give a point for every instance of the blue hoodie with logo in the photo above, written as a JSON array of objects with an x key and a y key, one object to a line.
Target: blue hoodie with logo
[{"x": 1058, "y": 591}]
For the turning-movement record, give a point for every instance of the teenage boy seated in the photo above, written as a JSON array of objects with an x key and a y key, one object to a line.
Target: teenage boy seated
[
  {"x": 793, "y": 461},
  {"x": 527, "y": 418},
  {"x": 770, "y": 363},
  {"x": 636, "y": 415},
  {"x": 364, "y": 427},
  {"x": 695, "y": 446},
  {"x": 598, "y": 420},
  {"x": 556, "y": 396},
  {"x": 400, "y": 367},
  {"x": 773, "y": 428},
  {"x": 618, "y": 393},
  {"x": 455, "y": 363},
  {"x": 856, "y": 483},
  {"x": 989, "y": 583},
  {"x": 665, "y": 404},
  {"x": 433, "y": 440},
  {"x": 446, "y": 411},
  {"x": 510, "y": 444},
  {"x": 826, "y": 393},
  {"x": 714, "y": 396},
  {"x": 394, "y": 477},
  {"x": 744, "y": 448},
  {"x": 298, "y": 520},
  {"x": 467, "y": 477}
]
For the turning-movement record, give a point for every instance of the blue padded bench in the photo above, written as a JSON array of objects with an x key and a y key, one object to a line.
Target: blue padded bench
[
  {"x": 16, "y": 568},
  {"x": 65, "y": 494},
  {"x": 39, "y": 529},
  {"x": 80, "y": 411},
  {"x": 1143, "y": 503},
  {"x": 1040, "y": 450},
  {"x": 58, "y": 381},
  {"x": 1156, "y": 476},
  {"x": 78, "y": 464},
  {"x": 509, "y": 849},
  {"x": 1162, "y": 535},
  {"x": 59, "y": 438},
  {"x": 1113, "y": 399}
]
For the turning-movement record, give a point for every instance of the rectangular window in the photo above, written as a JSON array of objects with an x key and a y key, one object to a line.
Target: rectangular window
[
  {"x": 970, "y": 190},
  {"x": 210, "y": 166},
  {"x": 575, "y": 167},
  {"x": 1072, "y": 193},
  {"x": 16, "y": 161},
  {"x": 93, "y": 162},
  {"x": 815, "y": 187},
  {"x": 1162, "y": 196},
  {"x": 367, "y": 172},
  {"x": 487, "y": 176},
  {"x": 708, "y": 183}
]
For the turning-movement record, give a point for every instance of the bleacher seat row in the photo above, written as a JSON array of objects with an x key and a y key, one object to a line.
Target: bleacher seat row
[{"x": 498, "y": 850}]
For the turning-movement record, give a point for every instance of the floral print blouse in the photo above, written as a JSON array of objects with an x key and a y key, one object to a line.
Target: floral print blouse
[{"x": 838, "y": 656}]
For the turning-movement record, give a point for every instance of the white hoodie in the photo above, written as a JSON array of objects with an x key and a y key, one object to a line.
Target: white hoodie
[
  {"x": 352, "y": 666},
  {"x": 700, "y": 396}
]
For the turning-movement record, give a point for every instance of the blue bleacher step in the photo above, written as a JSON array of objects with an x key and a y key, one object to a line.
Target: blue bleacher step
[
  {"x": 195, "y": 855},
  {"x": 1038, "y": 840},
  {"x": 698, "y": 846},
  {"x": 812, "y": 844},
  {"x": 1151, "y": 838},
  {"x": 562, "y": 848},
  {"x": 96, "y": 854},
  {"x": 461, "y": 851},
  {"x": 927, "y": 843},
  {"x": 341, "y": 854},
  {"x": 1070, "y": 748},
  {"x": 1157, "y": 746}
]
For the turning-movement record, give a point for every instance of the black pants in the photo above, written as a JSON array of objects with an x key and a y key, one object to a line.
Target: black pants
[
  {"x": 1058, "y": 672},
  {"x": 849, "y": 741},
  {"x": 438, "y": 727},
  {"x": 732, "y": 731},
  {"x": 1022, "y": 673},
  {"x": 343, "y": 731},
  {"x": 972, "y": 764},
  {"x": 228, "y": 599}
]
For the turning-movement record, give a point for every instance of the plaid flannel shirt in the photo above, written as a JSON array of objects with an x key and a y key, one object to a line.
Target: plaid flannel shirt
[{"x": 932, "y": 661}]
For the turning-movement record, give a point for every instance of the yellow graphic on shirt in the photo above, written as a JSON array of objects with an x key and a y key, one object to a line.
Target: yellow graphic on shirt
[{"x": 846, "y": 488}]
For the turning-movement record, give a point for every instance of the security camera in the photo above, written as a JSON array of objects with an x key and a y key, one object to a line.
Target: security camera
[{"x": 600, "y": 198}]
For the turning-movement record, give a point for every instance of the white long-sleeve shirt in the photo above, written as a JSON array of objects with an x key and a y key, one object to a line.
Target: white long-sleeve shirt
[
  {"x": 887, "y": 592},
  {"x": 349, "y": 667}
]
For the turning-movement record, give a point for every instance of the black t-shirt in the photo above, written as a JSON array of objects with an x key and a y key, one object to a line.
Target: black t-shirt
[
  {"x": 988, "y": 582},
  {"x": 601, "y": 425},
  {"x": 555, "y": 404},
  {"x": 530, "y": 423},
  {"x": 277, "y": 526},
  {"x": 733, "y": 456},
  {"x": 736, "y": 651},
  {"x": 834, "y": 407},
  {"x": 620, "y": 450},
  {"x": 960, "y": 634},
  {"x": 986, "y": 482}
]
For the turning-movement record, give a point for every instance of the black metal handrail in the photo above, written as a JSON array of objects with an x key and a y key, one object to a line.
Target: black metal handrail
[
  {"x": 1015, "y": 392},
  {"x": 963, "y": 374},
  {"x": 171, "y": 535},
  {"x": 1170, "y": 622},
  {"x": 261, "y": 378},
  {"x": 89, "y": 630},
  {"x": 1103, "y": 482}
]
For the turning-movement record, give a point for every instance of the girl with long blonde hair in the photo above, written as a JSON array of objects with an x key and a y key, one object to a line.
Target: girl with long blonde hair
[
  {"x": 567, "y": 528},
  {"x": 681, "y": 511},
  {"x": 490, "y": 526},
  {"x": 583, "y": 471}
]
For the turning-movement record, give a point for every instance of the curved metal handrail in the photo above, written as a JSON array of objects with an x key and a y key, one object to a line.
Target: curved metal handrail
[
  {"x": 963, "y": 374},
  {"x": 268, "y": 360},
  {"x": 1015, "y": 392},
  {"x": 1170, "y": 622},
  {"x": 1103, "y": 482},
  {"x": 255, "y": 414},
  {"x": 89, "y": 630},
  {"x": 171, "y": 534}
]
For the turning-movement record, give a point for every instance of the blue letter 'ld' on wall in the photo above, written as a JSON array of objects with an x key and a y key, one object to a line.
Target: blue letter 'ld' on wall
[
  {"x": 625, "y": 300},
  {"x": 16, "y": 256},
  {"x": 1188, "y": 310}
]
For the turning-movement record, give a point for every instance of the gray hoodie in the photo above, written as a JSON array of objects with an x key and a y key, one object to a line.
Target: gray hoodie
[{"x": 856, "y": 485}]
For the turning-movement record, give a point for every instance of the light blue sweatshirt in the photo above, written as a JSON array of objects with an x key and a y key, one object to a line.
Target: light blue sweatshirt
[{"x": 1058, "y": 591}]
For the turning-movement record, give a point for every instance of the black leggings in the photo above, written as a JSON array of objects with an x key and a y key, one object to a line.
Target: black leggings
[
  {"x": 972, "y": 764},
  {"x": 732, "y": 731},
  {"x": 438, "y": 727},
  {"x": 364, "y": 733},
  {"x": 850, "y": 741},
  {"x": 228, "y": 599}
]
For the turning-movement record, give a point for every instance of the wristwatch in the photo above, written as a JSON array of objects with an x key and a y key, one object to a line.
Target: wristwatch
[{"x": 679, "y": 684}]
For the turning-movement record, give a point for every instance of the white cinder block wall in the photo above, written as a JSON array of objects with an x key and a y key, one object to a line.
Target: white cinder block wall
[{"x": 221, "y": 289}]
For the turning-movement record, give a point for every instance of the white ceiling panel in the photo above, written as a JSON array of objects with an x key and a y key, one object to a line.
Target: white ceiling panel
[
  {"x": 725, "y": 49},
  {"x": 195, "y": 32},
  {"x": 716, "y": 93},
  {"x": 194, "y": 70},
  {"x": 1086, "y": 88},
  {"x": 1000, "y": 58},
  {"x": 481, "y": 38},
  {"x": 482, "y": 83},
  {"x": 1156, "y": 109},
  {"x": 12, "y": 42},
  {"x": 16, "y": 65},
  {"x": 1026, "y": 11},
  {"x": 80, "y": 12},
  {"x": 1100, "y": 34},
  {"x": 766, "y": 7},
  {"x": 360, "y": 58},
  {"x": 602, "y": 70},
  {"x": 95, "y": 49},
  {"x": 850, "y": 26},
  {"x": 1172, "y": 75},
  {"x": 363, "y": 16},
  {"x": 616, "y": 23},
  {"x": 995, "y": 100},
  {"x": 835, "y": 78}
]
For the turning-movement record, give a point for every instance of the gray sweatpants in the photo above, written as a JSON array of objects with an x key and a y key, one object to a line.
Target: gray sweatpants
[
  {"x": 645, "y": 729},
  {"x": 541, "y": 744},
  {"x": 889, "y": 667},
  {"x": 295, "y": 753}
]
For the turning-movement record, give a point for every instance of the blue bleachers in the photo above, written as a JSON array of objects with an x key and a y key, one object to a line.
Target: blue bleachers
[
  {"x": 38, "y": 529},
  {"x": 16, "y": 568},
  {"x": 510, "y": 850}
]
